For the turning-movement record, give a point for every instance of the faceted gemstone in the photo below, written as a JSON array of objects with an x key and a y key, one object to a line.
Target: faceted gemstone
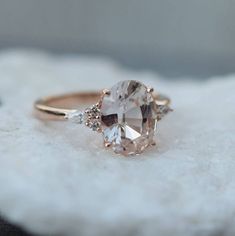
[
  {"x": 76, "y": 117},
  {"x": 128, "y": 117}
]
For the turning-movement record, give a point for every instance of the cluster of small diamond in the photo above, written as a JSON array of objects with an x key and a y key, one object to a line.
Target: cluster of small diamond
[{"x": 93, "y": 118}]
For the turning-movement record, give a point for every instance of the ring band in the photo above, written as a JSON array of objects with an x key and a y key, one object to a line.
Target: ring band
[
  {"x": 126, "y": 114},
  {"x": 60, "y": 107}
]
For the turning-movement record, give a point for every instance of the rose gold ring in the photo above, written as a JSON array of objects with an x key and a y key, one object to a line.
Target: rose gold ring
[{"x": 126, "y": 114}]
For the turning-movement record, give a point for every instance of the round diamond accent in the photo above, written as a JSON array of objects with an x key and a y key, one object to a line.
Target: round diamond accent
[{"x": 128, "y": 117}]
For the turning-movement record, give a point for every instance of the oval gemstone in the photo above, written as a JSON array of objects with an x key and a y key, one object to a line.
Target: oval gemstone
[{"x": 128, "y": 117}]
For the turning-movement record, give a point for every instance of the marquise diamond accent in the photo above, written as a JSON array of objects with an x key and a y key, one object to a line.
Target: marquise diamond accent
[{"x": 76, "y": 117}]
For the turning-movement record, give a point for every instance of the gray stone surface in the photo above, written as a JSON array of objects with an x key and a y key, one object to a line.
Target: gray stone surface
[{"x": 56, "y": 177}]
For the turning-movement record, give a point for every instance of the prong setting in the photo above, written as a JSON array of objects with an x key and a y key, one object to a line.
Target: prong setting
[
  {"x": 107, "y": 144},
  {"x": 106, "y": 92},
  {"x": 150, "y": 90}
]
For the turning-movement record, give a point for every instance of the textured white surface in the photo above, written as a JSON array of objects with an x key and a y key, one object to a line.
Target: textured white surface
[{"x": 52, "y": 182}]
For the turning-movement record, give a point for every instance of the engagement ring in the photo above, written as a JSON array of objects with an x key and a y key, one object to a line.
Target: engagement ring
[{"x": 126, "y": 115}]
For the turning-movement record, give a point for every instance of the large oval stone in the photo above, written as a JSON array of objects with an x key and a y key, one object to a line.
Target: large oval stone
[{"x": 128, "y": 117}]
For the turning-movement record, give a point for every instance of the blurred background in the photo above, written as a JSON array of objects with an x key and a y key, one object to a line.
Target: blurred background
[{"x": 176, "y": 38}]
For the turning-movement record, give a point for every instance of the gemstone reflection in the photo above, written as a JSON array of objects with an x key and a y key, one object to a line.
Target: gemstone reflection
[{"x": 128, "y": 117}]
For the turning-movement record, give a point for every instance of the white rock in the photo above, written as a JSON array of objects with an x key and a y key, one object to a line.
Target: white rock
[{"x": 57, "y": 178}]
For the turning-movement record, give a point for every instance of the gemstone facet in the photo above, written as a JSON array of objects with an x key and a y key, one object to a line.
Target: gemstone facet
[
  {"x": 128, "y": 117},
  {"x": 76, "y": 117}
]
